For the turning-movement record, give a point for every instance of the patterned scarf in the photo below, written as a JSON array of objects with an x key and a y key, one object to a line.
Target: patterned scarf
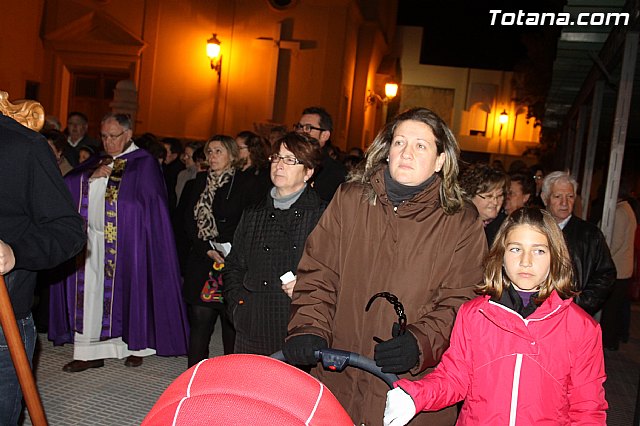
[{"x": 203, "y": 211}]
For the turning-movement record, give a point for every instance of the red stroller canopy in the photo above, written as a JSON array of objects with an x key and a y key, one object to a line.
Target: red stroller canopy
[{"x": 246, "y": 390}]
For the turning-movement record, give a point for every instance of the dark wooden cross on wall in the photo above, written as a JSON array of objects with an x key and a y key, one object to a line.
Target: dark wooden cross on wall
[{"x": 286, "y": 45}]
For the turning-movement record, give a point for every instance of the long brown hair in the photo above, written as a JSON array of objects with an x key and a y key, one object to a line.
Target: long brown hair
[
  {"x": 560, "y": 275},
  {"x": 377, "y": 153}
]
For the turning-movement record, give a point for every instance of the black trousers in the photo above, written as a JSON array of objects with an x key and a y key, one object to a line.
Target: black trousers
[
  {"x": 202, "y": 321},
  {"x": 613, "y": 315}
]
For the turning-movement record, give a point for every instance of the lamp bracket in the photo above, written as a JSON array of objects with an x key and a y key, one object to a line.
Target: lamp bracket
[
  {"x": 216, "y": 65},
  {"x": 372, "y": 97}
]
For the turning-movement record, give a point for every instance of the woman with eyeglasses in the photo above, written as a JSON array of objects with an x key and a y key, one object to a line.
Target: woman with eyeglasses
[
  {"x": 268, "y": 244},
  {"x": 485, "y": 187},
  {"x": 213, "y": 207},
  {"x": 521, "y": 187},
  {"x": 398, "y": 226}
]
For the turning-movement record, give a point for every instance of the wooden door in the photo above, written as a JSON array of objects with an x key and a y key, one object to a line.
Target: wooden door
[{"x": 91, "y": 94}]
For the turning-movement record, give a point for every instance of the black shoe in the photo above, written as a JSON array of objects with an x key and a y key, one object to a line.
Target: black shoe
[
  {"x": 133, "y": 361},
  {"x": 78, "y": 366}
]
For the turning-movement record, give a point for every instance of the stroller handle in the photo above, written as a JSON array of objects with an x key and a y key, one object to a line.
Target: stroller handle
[{"x": 337, "y": 360}]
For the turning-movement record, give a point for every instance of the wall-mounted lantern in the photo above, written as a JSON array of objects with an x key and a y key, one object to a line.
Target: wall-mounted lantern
[
  {"x": 504, "y": 117},
  {"x": 390, "y": 92},
  {"x": 213, "y": 52}
]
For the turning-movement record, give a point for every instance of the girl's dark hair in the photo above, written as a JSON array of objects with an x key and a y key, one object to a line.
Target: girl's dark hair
[
  {"x": 257, "y": 147},
  {"x": 57, "y": 138},
  {"x": 526, "y": 182},
  {"x": 198, "y": 155}
]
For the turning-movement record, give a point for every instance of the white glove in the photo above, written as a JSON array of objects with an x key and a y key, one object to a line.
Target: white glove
[{"x": 400, "y": 408}]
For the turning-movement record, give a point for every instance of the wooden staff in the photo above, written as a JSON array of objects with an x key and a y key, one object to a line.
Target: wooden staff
[{"x": 19, "y": 358}]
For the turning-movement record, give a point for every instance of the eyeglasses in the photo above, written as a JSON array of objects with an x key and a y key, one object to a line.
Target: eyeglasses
[
  {"x": 498, "y": 198},
  {"x": 292, "y": 161},
  {"x": 306, "y": 128},
  {"x": 106, "y": 137},
  {"x": 536, "y": 177},
  {"x": 243, "y": 147}
]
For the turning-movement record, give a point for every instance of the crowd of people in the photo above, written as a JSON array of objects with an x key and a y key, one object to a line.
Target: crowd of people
[{"x": 286, "y": 239}]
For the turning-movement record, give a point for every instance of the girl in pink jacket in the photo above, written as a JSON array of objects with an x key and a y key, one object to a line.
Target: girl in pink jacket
[{"x": 522, "y": 353}]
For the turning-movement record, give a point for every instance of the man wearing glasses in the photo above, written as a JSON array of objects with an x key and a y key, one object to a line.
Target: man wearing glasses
[
  {"x": 317, "y": 123},
  {"x": 120, "y": 298}
]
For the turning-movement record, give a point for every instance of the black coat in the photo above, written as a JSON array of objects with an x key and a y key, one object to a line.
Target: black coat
[
  {"x": 228, "y": 204},
  {"x": 170, "y": 172},
  {"x": 268, "y": 243},
  {"x": 491, "y": 230},
  {"x": 72, "y": 154},
  {"x": 261, "y": 181},
  {"x": 328, "y": 177},
  {"x": 37, "y": 216},
  {"x": 594, "y": 269}
]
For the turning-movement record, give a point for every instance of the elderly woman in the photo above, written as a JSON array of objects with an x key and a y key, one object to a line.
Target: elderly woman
[
  {"x": 520, "y": 194},
  {"x": 268, "y": 243},
  {"x": 485, "y": 187},
  {"x": 215, "y": 203},
  {"x": 400, "y": 226}
]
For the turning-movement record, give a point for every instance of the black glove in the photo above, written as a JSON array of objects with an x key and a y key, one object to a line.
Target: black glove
[
  {"x": 299, "y": 350},
  {"x": 398, "y": 354}
]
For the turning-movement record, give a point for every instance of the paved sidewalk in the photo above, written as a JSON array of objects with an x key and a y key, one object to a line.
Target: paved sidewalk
[{"x": 113, "y": 395}]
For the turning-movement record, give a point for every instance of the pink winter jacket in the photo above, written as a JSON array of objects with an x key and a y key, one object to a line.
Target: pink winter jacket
[{"x": 547, "y": 369}]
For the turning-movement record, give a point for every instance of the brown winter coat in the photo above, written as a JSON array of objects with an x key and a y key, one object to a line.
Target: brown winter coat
[{"x": 431, "y": 261}]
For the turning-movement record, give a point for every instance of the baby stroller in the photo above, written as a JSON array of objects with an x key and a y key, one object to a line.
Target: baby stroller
[{"x": 256, "y": 390}]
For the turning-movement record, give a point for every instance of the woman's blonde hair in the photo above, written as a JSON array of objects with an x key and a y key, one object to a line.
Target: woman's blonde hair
[
  {"x": 378, "y": 152},
  {"x": 560, "y": 275},
  {"x": 230, "y": 145}
]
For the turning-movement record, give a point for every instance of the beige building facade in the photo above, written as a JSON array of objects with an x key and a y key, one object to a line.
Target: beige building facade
[
  {"x": 277, "y": 58},
  {"x": 470, "y": 100}
]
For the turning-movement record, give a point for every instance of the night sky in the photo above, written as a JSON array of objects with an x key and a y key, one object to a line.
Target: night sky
[{"x": 459, "y": 33}]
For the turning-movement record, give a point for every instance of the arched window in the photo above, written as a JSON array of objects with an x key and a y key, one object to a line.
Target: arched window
[{"x": 478, "y": 119}]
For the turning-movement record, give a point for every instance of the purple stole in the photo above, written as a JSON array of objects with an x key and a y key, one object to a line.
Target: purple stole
[{"x": 110, "y": 246}]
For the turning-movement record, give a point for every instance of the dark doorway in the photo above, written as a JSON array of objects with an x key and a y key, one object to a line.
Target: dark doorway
[{"x": 91, "y": 94}]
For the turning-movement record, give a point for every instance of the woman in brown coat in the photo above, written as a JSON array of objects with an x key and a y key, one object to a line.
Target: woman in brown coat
[{"x": 399, "y": 226}]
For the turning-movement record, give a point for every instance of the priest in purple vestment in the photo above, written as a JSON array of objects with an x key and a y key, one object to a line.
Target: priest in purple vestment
[{"x": 120, "y": 298}]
